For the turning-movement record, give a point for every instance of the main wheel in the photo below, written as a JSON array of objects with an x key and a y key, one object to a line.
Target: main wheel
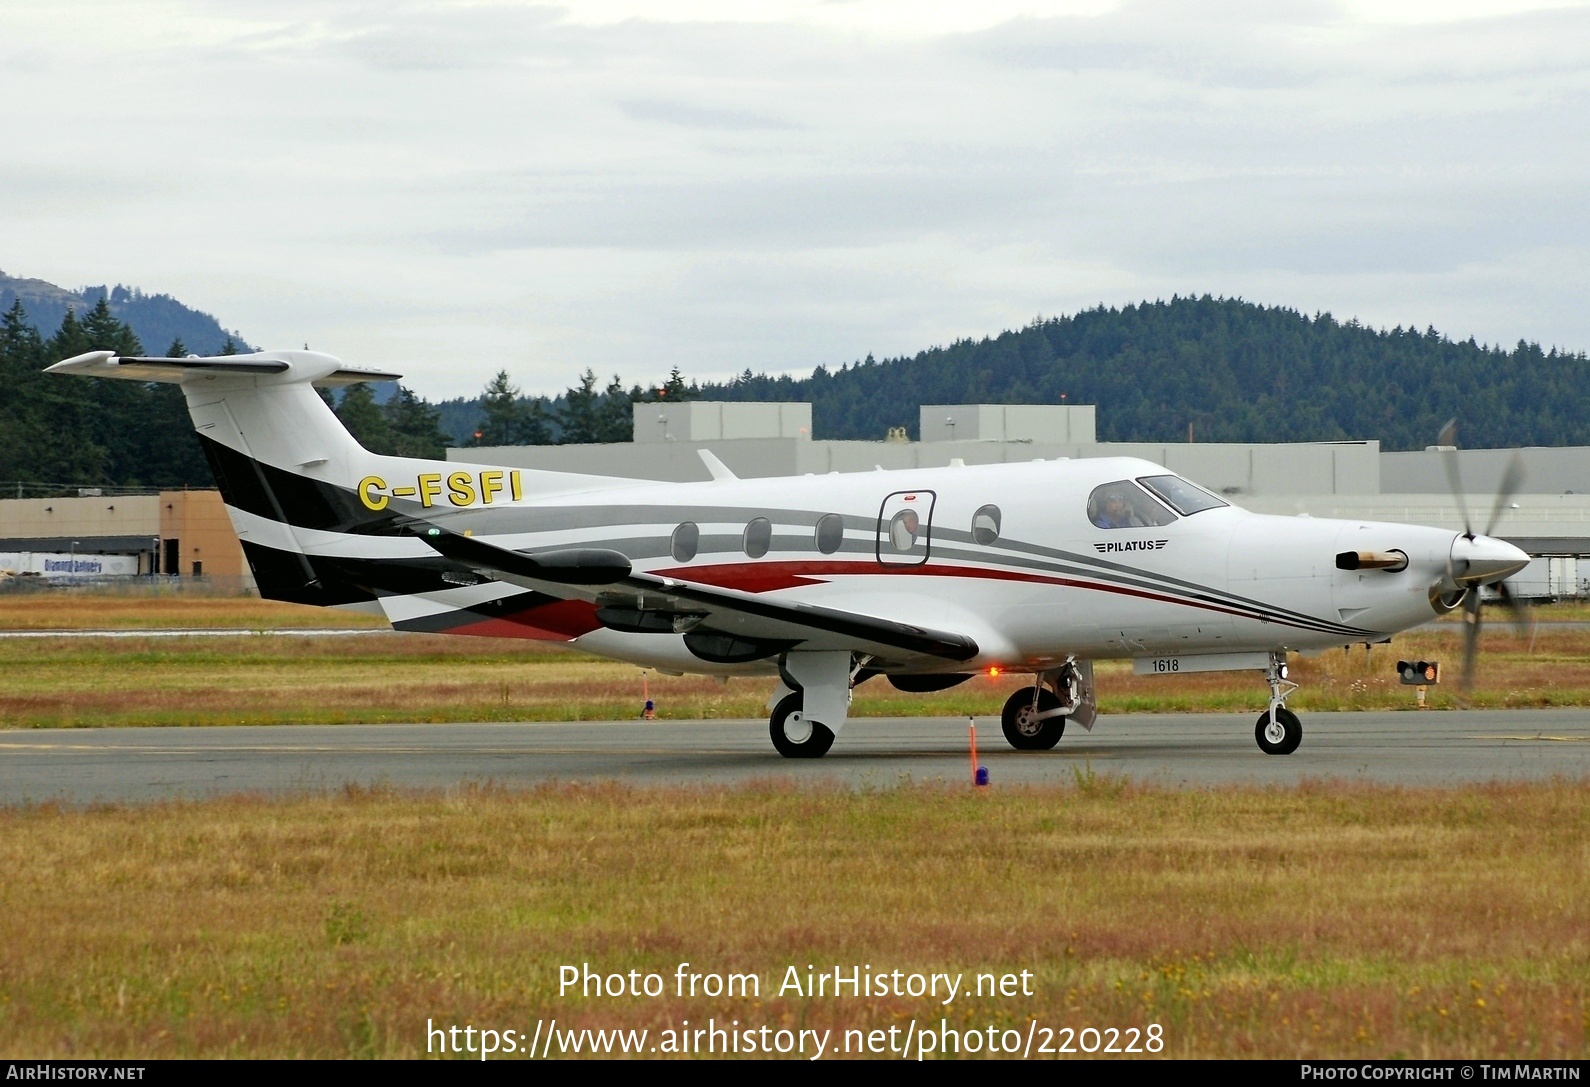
[
  {"x": 1281, "y": 736},
  {"x": 1022, "y": 728},
  {"x": 794, "y": 734}
]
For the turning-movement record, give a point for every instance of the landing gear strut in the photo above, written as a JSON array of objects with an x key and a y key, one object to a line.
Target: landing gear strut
[
  {"x": 814, "y": 704},
  {"x": 1278, "y": 731},
  {"x": 1034, "y": 718}
]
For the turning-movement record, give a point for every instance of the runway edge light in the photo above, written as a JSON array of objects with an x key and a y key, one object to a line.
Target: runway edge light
[{"x": 1419, "y": 673}]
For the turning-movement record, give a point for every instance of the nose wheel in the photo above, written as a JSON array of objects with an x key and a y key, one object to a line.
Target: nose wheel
[{"x": 1278, "y": 733}]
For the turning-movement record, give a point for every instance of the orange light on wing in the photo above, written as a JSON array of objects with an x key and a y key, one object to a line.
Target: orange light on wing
[{"x": 993, "y": 672}]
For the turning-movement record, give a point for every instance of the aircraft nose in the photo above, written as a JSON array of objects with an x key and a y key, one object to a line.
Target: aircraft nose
[{"x": 1484, "y": 560}]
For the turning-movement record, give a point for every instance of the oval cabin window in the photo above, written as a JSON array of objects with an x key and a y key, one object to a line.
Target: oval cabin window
[
  {"x": 686, "y": 540},
  {"x": 758, "y": 537},
  {"x": 830, "y": 533},
  {"x": 985, "y": 525},
  {"x": 903, "y": 529}
]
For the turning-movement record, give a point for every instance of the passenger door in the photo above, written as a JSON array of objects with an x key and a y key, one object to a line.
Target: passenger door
[{"x": 905, "y": 528}]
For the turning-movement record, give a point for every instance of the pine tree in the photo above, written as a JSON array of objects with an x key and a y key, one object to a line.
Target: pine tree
[
  {"x": 614, "y": 415},
  {"x": 177, "y": 350},
  {"x": 364, "y": 418},
  {"x": 676, "y": 389},
  {"x": 579, "y": 422},
  {"x": 510, "y": 419},
  {"x": 229, "y": 347},
  {"x": 413, "y": 426}
]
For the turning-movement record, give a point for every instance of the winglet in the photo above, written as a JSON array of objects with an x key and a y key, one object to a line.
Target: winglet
[{"x": 719, "y": 470}]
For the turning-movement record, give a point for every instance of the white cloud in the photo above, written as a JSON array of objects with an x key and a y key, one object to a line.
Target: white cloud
[{"x": 454, "y": 187}]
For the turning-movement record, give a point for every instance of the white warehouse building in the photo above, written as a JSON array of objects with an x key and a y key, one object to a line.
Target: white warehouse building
[{"x": 1549, "y": 518}]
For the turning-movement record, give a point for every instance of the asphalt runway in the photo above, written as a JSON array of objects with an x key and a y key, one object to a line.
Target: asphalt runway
[{"x": 83, "y": 766}]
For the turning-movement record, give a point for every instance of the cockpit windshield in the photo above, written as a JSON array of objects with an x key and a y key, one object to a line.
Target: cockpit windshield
[
  {"x": 1123, "y": 504},
  {"x": 1181, "y": 496}
]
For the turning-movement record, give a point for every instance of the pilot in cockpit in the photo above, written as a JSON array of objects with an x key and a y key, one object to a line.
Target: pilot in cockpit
[
  {"x": 1114, "y": 511},
  {"x": 1122, "y": 505}
]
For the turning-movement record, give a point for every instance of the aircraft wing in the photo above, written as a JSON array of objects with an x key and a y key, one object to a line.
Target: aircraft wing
[{"x": 578, "y": 571}]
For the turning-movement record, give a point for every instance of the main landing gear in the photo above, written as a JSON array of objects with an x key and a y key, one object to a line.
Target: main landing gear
[
  {"x": 1034, "y": 718},
  {"x": 811, "y": 705},
  {"x": 795, "y": 735},
  {"x": 1278, "y": 731}
]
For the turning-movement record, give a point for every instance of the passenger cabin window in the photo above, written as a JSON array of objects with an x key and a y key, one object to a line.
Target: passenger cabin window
[
  {"x": 686, "y": 540},
  {"x": 830, "y": 533},
  {"x": 903, "y": 529},
  {"x": 1181, "y": 496},
  {"x": 1123, "y": 504},
  {"x": 758, "y": 537},
  {"x": 985, "y": 525}
]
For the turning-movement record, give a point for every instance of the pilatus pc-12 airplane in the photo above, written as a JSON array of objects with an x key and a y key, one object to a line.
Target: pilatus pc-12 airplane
[{"x": 925, "y": 576}]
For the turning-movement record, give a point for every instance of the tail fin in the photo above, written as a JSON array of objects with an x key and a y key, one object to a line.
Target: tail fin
[{"x": 317, "y": 518}]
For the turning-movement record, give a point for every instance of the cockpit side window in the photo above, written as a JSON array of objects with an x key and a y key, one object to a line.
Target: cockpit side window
[
  {"x": 1183, "y": 497},
  {"x": 1123, "y": 504}
]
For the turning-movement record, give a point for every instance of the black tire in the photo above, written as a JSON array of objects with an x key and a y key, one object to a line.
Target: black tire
[
  {"x": 798, "y": 738},
  {"x": 1024, "y": 733},
  {"x": 1289, "y": 727}
]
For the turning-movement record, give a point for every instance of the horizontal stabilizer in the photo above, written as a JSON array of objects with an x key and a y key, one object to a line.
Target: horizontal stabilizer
[{"x": 303, "y": 365}]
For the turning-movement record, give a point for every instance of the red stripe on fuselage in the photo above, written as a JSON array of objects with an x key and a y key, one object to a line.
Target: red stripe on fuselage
[
  {"x": 559, "y": 621},
  {"x": 781, "y": 575}
]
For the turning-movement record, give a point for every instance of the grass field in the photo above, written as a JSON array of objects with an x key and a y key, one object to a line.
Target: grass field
[
  {"x": 1332, "y": 920},
  {"x": 112, "y": 611},
  {"x": 434, "y": 678}
]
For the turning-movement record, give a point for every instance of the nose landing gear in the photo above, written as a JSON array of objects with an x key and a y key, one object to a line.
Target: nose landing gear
[{"x": 1278, "y": 731}]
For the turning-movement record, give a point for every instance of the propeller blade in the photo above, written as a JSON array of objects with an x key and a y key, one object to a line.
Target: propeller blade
[
  {"x": 1471, "y": 634},
  {"x": 1447, "y": 439},
  {"x": 1512, "y": 479},
  {"x": 1523, "y": 618}
]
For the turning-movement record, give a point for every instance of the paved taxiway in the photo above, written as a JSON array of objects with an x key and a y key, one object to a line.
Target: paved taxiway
[{"x": 81, "y": 766}]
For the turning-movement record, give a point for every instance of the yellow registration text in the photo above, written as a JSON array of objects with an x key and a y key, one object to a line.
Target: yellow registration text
[{"x": 457, "y": 488}]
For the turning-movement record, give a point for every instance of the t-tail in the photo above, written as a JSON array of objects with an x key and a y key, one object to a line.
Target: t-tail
[{"x": 322, "y": 520}]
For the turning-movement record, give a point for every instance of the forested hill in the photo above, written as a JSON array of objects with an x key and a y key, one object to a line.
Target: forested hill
[
  {"x": 156, "y": 319},
  {"x": 1236, "y": 371}
]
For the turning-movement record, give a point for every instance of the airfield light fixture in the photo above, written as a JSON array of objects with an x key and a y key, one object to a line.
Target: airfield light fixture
[{"x": 1419, "y": 673}]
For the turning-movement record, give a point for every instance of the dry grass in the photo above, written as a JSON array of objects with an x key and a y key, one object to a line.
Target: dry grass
[
  {"x": 436, "y": 678},
  {"x": 1335, "y": 920},
  {"x": 333, "y": 680},
  {"x": 106, "y": 611}
]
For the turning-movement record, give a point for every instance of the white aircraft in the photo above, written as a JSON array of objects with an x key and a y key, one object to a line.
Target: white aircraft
[{"x": 925, "y": 576}]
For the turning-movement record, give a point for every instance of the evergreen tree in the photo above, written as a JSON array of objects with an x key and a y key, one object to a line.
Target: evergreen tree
[
  {"x": 177, "y": 350},
  {"x": 229, "y": 347},
  {"x": 614, "y": 416},
  {"x": 364, "y": 418},
  {"x": 510, "y": 419},
  {"x": 413, "y": 426},
  {"x": 579, "y": 422}
]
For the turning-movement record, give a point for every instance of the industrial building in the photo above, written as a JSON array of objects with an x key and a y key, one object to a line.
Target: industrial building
[
  {"x": 187, "y": 534},
  {"x": 171, "y": 533},
  {"x": 1549, "y": 517}
]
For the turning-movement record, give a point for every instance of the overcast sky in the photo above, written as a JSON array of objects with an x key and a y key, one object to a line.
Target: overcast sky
[{"x": 454, "y": 188}]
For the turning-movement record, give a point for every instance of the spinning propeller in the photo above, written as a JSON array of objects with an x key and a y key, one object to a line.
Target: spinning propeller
[{"x": 1477, "y": 559}]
